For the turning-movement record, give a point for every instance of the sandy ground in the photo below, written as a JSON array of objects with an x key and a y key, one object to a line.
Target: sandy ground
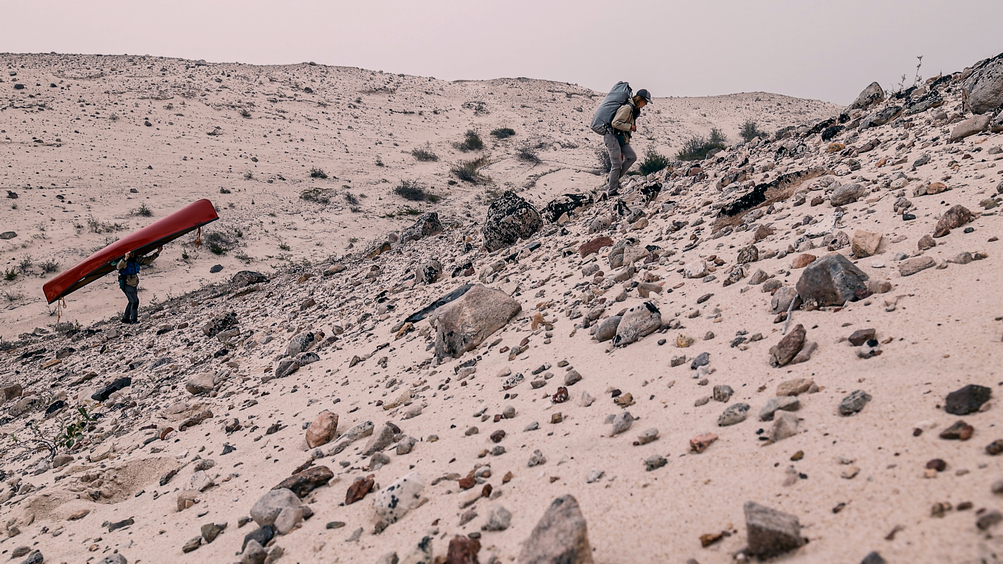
[{"x": 73, "y": 166}]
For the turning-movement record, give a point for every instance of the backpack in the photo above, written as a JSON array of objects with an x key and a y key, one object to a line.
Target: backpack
[
  {"x": 617, "y": 97},
  {"x": 131, "y": 268}
]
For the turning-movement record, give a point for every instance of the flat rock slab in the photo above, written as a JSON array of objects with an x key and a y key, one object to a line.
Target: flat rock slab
[
  {"x": 463, "y": 324},
  {"x": 911, "y": 266}
]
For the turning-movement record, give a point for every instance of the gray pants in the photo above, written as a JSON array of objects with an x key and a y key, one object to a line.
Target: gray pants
[
  {"x": 132, "y": 309},
  {"x": 617, "y": 168}
]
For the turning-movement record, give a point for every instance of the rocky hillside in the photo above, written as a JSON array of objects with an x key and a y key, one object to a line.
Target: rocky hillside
[{"x": 786, "y": 350}]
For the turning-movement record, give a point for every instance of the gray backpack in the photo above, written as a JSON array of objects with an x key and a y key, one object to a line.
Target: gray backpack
[{"x": 617, "y": 97}]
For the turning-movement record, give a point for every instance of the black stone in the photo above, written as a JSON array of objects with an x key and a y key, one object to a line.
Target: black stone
[
  {"x": 967, "y": 400},
  {"x": 216, "y": 268},
  {"x": 262, "y": 535},
  {"x": 110, "y": 389},
  {"x": 565, "y": 204},
  {"x": 419, "y": 315},
  {"x": 56, "y": 406},
  {"x": 873, "y": 558}
]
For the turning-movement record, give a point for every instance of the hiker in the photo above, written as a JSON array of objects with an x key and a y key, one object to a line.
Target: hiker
[
  {"x": 128, "y": 280},
  {"x": 617, "y": 138}
]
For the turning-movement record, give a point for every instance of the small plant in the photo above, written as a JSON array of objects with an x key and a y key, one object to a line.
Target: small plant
[
  {"x": 697, "y": 147},
  {"x": 96, "y": 226},
  {"x": 319, "y": 195},
  {"x": 113, "y": 117},
  {"x": 223, "y": 190},
  {"x": 750, "y": 130},
  {"x": 144, "y": 211},
  {"x": 25, "y": 265},
  {"x": 9, "y": 274},
  {"x": 317, "y": 173},
  {"x": 351, "y": 199},
  {"x": 169, "y": 107},
  {"x": 218, "y": 243},
  {"x": 12, "y": 296},
  {"x": 248, "y": 175},
  {"x": 527, "y": 153},
  {"x": 216, "y": 131},
  {"x": 283, "y": 246},
  {"x": 653, "y": 162},
  {"x": 379, "y": 161},
  {"x": 184, "y": 255},
  {"x": 468, "y": 170},
  {"x": 503, "y": 132},
  {"x": 602, "y": 157},
  {"x": 411, "y": 190},
  {"x": 244, "y": 113},
  {"x": 49, "y": 266},
  {"x": 71, "y": 434},
  {"x": 471, "y": 142},
  {"x": 424, "y": 154}
]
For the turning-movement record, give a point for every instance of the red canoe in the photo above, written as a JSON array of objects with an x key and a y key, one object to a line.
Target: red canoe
[{"x": 183, "y": 221}]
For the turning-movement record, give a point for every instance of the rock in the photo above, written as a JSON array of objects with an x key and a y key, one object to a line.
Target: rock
[
  {"x": 802, "y": 260},
  {"x": 967, "y": 399},
  {"x": 36, "y": 558},
  {"x": 880, "y": 117},
  {"x": 804, "y": 355},
  {"x": 246, "y": 278},
  {"x": 781, "y": 300},
  {"x": 832, "y": 280},
  {"x": 261, "y": 536},
  {"x": 322, "y": 430},
  {"x": 747, "y": 255},
  {"x": 607, "y": 329},
  {"x": 994, "y": 448},
  {"x": 7, "y": 235},
  {"x": 868, "y": 97},
  {"x": 733, "y": 415},
  {"x": 982, "y": 90},
  {"x": 771, "y": 532},
  {"x": 959, "y": 431},
  {"x": 594, "y": 245},
  {"x": 970, "y": 127},
  {"x": 211, "y": 530},
  {"x": 795, "y": 387},
  {"x": 394, "y": 501},
  {"x": 537, "y": 459},
  {"x": 988, "y": 519},
  {"x": 201, "y": 384},
  {"x": 700, "y": 443},
  {"x": 304, "y": 482},
  {"x": 696, "y": 269},
  {"x": 253, "y": 553},
  {"x": 389, "y": 558},
  {"x": 286, "y": 367},
  {"x": 271, "y": 504},
  {"x": 426, "y": 225},
  {"x": 785, "y": 425},
  {"x": 654, "y": 462},
  {"x": 113, "y": 559},
  {"x": 499, "y": 519},
  {"x": 288, "y": 519},
  {"x": 466, "y": 322},
  {"x": 106, "y": 392},
  {"x": 191, "y": 545},
  {"x": 622, "y": 422},
  {"x": 560, "y": 537},
  {"x": 509, "y": 219},
  {"x": 216, "y": 268},
  {"x": 854, "y": 402},
  {"x": 427, "y": 272},
  {"x": 335, "y": 268},
  {"x": 847, "y": 194},
  {"x": 781, "y": 403},
  {"x": 952, "y": 219},
  {"x": 788, "y": 347},
  {"x": 639, "y": 321},
  {"x": 9, "y": 392},
  {"x": 722, "y": 393},
  {"x": 566, "y": 204},
  {"x": 300, "y": 343},
  {"x": 220, "y": 323},
  {"x": 861, "y": 336},
  {"x": 359, "y": 488},
  {"x": 463, "y": 550},
  {"x": 865, "y": 243},
  {"x": 381, "y": 440},
  {"x": 912, "y": 266}
]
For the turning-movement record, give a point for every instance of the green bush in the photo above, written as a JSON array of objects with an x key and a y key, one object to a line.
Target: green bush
[
  {"x": 411, "y": 190},
  {"x": 471, "y": 142},
  {"x": 697, "y": 147},
  {"x": 9, "y": 274},
  {"x": 424, "y": 154},
  {"x": 750, "y": 130},
  {"x": 503, "y": 132},
  {"x": 468, "y": 170},
  {"x": 653, "y": 162}
]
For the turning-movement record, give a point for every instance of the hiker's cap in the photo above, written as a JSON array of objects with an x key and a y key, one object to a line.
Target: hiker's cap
[{"x": 644, "y": 94}]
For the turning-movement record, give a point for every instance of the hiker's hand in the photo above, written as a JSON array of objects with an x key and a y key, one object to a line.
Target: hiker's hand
[
  {"x": 159, "y": 249},
  {"x": 622, "y": 158},
  {"x": 633, "y": 128}
]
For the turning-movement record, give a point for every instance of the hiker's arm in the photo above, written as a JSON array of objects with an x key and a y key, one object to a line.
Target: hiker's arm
[
  {"x": 121, "y": 264},
  {"x": 148, "y": 259},
  {"x": 621, "y": 120}
]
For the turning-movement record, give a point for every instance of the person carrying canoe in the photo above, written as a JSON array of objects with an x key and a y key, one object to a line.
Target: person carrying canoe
[
  {"x": 617, "y": 139},
  {"x": 128, "y": 280}
]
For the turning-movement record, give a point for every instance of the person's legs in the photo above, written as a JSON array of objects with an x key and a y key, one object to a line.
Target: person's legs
[
  {"x": 132, "y": 310},
  {"x": 613, "y": 148},
  {"x": 629, "y": 158}
]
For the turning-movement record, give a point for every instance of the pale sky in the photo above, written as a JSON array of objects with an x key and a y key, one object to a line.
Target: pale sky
[{"x": 828, "y": 50}]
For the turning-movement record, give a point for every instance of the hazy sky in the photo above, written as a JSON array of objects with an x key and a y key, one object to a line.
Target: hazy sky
[{"x": 828, "y": 50}]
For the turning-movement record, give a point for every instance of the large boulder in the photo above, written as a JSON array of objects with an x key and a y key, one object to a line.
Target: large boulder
[
  {"x": 832, "y": 280},
  {"x": 970, "y": 127},
  {"x": 982, "y": 91},
  {"x": 566, "y": 204},
  {"x": 426, "y": 225},
  {"x": 510, "y": 218},
  {"x": 464, "y": 323},
  {"x": 560, "y": 537},
  {"x": 881, "y": 117},
  {"x": 952, "y": 219},
  {"x": 868, "y": 97}
]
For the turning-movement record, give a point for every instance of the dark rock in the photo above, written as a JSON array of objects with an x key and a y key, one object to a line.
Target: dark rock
[
  {"x": 832, "y": 280},
  {"x": 359, "y": 488},
  {"x": 463, "y": 550},
  {"x": 880, "y": 117},
  {"x": 873, "y": 558},
  {"x": 733, "y": 415},
  {"x": 34, "y": 558},
  {"x": 108, "y": 390},
  {"x": 246, "y": 278},
  {"x": 854, "y": 402},
  {"x": 560, "y": 537},
  {"x": 982, "y": 91},
  {"x": 771, "y": 532},
  {"x": 994, "y": 447},
  {"x": 607, "y": 329},
  {"x": 594, "y": 245},
  {"x": 748, "y": 254},
  {"x": 467, "y": 322},
  {"x": 654, "y": 462},
  {"x": 868, "y": 97},
  {"x": 219, "y": 324},
  {"x": 788, "y": 347},
  {"x": 426, "y": 225},
  {"x": 192, "y": 545},
  {"x": 210, "y": 531},
  {"x": 306, "y": 481},
  {"x": 702, "y": 359},
  {"x": 509, "y": 219},
  {"x": 454, "y": 295},
  {"x": 952, "y": 218},
  {"x": 565, "y": 204},
  {"x": 988, "y": 519},
  {"x": 861, "y": 336},
  {"x": 967, "y": 399},
  {"x": 7, "y": 235},
  {"x": 959, "y": 431},
  {"x": 215, "y": 268},
  {"x": 262, "y": 536}
]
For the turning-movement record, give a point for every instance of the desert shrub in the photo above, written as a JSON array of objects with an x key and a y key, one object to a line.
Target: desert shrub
[
  {"x": 144, "y": 211},
  {"x": 248, "y": 175},
  {"x": 653, "y": 162},
  {"x": 223, "y": 190},
  {"x": 245, "y": 113},
  {"x": 424, "y": 154},
  {"x": 318, "y": 194},
  {"x": 503, "y": 132},
  {"x": 25, "y": 265},
  {"x": 317, "y": 173},
  {"x": 351, "y": 199},
  {"x": 49, "y": 266},
  {"x": 216, "y": 131},
  {"x": 527, "y": 153},
  {"x": 96, "y": 226},
  {"x": 750, "y": 130},
  {"x": 218, "y": 243},
  {"x": 471, "y": 142},
  {"x": 9, "y": 274},
  {"x": 411, "y": 190},
  {"x": 468, "y": 170},
  {"x": 604, "y": 164},
  {"x": 696, "y": 148},
  {"x": 113, "y": 117}
]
